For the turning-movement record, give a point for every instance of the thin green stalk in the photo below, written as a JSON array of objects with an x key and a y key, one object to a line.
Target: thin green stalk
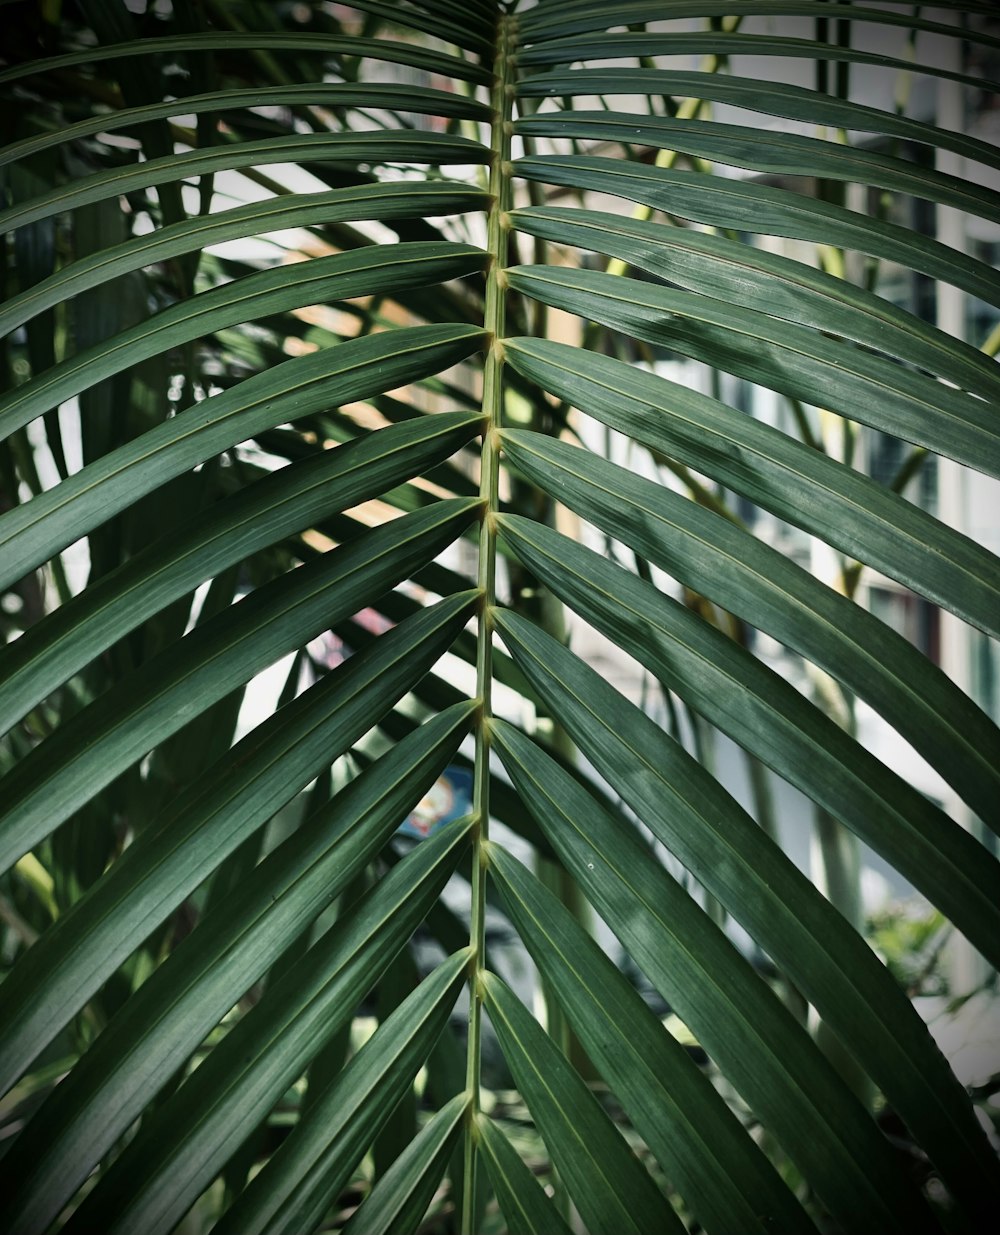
[
  {"x": 267, "y": 62},
  {"x": 915, "y": 460},
  {"x": 689, "y": 109},
  {"x": 838, "y": 875},
  {"x": 24, "y": 461},
  {"x": 495, "y": 310}
]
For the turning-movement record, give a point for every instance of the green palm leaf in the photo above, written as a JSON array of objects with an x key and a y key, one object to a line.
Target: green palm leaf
[
  {"x": 716, "y": 559},
  {"x": 731, "y": 271},
  {"x": 765, "y": 209},
  {"x": 273, "y": 40},
  {"x": 303, "y": 596},
  {"x": 702, "y": 976},
  {"x": 376, "y": 146},
  {"x": 266, "y": 1051},
  {"x": 298, "y": 1184},
  {"x": 769, "y": 717},
  {"x": 30, "y": 534},
  {"x": 687, "y": 811},
  {"x": 776, "y": 99},
  {"x": 608, "y": 1185},
  {"x": 404, "y": 1193},
  {"x": 522, "y": 1201},
  {"x": 684, "y": 1122},
  {"x": 580, "y": 15},
  {"x": 289, "y": 500},
  {"x": 364, "y": 201},
  {"x": 368, "y": 273},
  {"x": 800, "y": 484},
  {"x": 781, "y": 355},
  {"x": 116, "y": 730},
  {"x": 91, "y": 940}
]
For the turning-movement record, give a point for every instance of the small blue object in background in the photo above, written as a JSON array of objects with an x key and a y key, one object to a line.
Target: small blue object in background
[{"x": 448, "y": 798}]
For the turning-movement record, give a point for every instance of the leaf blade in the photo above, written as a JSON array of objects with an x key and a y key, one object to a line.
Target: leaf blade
[
  {"x": 210, "y": 820},
  {"x": 241, "y": 1079},
  {"x": 31, "y": 534},
  {"x": 694, "y": 1136},
  {"x": 391, "y": 201},
  {"x": 776, "y": 285},
  {"x": 525, "y": 1206},
  {"x": 291, "y": 1193},
  {"x": 419, "y": 146},
  {"x": 370, "y": 272},
  {"x": 399, "y": 1201},
  {"x": 782, "y": 1075},
  {"x": 692, "y": 815},
  {"x": 254, "y": 40},
  {"x": 86, "y": 753},
  {"x": 768, "y": 717},
  {"x": 763, "y": 209},
  {"x": 781, "y": 355},
  {"x": 719, "y": 560},
  {"x": 795, "y": 482},
  {"x": 595, "y": 1163},
  {"x": 278, "y": 505},
  {"x": 782, "y": 99}
]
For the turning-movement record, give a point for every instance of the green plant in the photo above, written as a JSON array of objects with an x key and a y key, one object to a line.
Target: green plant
[{"x": 176, "y": 897}]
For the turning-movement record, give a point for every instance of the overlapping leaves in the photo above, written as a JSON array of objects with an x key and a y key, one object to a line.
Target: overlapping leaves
[{"x": 205, "y": 929}]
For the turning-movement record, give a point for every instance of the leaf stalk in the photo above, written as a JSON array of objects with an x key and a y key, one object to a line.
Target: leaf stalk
[{"x": 498, "y": 228}]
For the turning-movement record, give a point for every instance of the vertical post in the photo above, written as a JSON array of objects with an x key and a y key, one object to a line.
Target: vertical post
[{"x": 967, "y": 969}]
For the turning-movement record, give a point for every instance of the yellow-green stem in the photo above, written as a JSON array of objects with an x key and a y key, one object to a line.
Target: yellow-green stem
[
  {"x": 496, "y": 242},
  {"x": 690, "y": 109}
]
